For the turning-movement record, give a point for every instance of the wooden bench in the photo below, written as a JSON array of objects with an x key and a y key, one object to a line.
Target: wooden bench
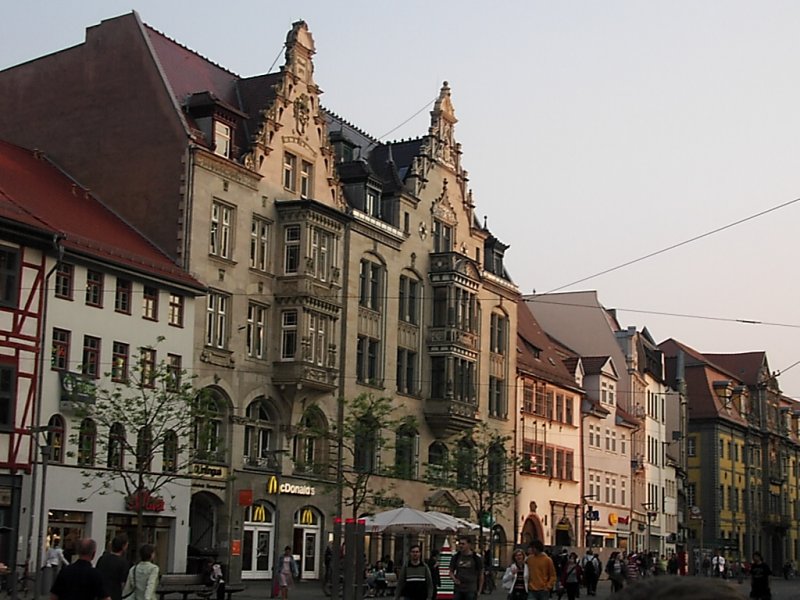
[{"x": 191, "y": 585}]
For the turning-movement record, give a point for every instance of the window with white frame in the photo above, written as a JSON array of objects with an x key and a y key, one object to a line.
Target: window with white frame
[
  {"x": 368, "y": 356},
  {"x": 9, "y": 276},
  {"x": 291, "y": 249},
  {"x": 498, "y": 407},
  {"x": 217, "y": 320},
  {"x": 306, "y": 171},
  {"x": 370, "y": 285},
  {"x": 221, "y": 230},
  {"x": 289, "y": 171},
  {"x": 318, "y": 336},
  {"x": 372, "y": 203},
  {"x": 322, "y": 253},
  {"x": 623, "y": 445},
  {"x": 256, "y": 330},
  {"x": 498, "y": 334},
  {"x": 409, "y": 300},
  {"x": 691, "y": 446},
  {"x": 222, "y": 139},
  {"x": 442, "y": 237},
  {"x": 288, "y": 334},
  {"x": 259, "y": 244}
]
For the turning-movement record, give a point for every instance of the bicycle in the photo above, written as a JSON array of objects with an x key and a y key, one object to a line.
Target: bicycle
[{"x": 25, "y": 582}]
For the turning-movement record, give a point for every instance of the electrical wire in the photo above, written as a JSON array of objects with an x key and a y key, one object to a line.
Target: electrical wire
[{"x": 674, "y": 246}]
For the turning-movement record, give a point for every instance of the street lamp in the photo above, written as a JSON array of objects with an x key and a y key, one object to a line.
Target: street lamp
[
  {"x": 651, "y": 514},
  {"x": 589, "y": 515}
]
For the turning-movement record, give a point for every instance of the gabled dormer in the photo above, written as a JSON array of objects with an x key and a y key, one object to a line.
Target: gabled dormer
[{"x": 217, "y": 121}]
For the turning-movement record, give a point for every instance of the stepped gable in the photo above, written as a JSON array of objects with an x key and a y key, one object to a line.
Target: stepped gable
[{"x": 35, "y": 193}]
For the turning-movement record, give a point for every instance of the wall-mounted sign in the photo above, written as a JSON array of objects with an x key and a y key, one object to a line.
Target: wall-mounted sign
[
  {"x": 307, "y": 517},
  {"x": 275, "y": 487},
  {"x": 236, "y": 547},
  {"x": 145, "y": 500},
  {"x": 245, "y": 497},
  {"x": 623, "y": 520},
  {"x": 259, "y": 513},
  {"x": 209, "y": 471},
  {"x": 612, "y": 519}
]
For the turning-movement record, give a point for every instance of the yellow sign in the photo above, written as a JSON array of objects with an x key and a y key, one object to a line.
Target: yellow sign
[
  {"x": 612, "y": 519},
  {"x": 259, "y": 514},
  {"x": 307, "y": 517},
  {"x": 272, "y": 486}
]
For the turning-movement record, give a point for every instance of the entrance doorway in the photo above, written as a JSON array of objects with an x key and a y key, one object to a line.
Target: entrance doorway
[
  {"x": 306, "y": 541},
  {"x": 258, "y": 536}
]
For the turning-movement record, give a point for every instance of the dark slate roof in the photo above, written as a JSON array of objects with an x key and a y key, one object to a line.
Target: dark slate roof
[
  {"x": 403, "y": 154},
  {"x": 36, "y": 194},
  {"x": 531, "y": 337},
  {"x": 255, "y": 94},
  {"x": 745, "y": 365},
  {"x": 594, "y": 364}
]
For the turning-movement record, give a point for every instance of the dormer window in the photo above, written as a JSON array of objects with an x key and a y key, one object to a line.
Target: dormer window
[
  {"x": 372, "y": 204},
  {"x": 222, "y": 139}
]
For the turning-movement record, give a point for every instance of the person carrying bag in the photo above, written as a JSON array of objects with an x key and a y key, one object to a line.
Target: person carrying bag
[
  {"x": 515, "y": 579},
  {"x": 143, "y": 577}
]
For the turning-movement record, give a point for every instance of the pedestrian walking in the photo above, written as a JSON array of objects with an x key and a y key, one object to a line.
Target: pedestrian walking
[
  {"x": 287, "y": 571},
  {"x": 114, "y": 567},
  {"x": 80, "y": 580},
  {"x": 541, "y": 572},
  {"x": 591, "y": 572},
  {"x": 571, "y": 576},
  {"x": 414, "y": 582},
  {"x": 143, "y": 577},
  {"x": 616, "y": 570},
  {"x": 466, "y": 571},
  {"x": 759, "y": 578},
  {"x": 515, "y": 579}
]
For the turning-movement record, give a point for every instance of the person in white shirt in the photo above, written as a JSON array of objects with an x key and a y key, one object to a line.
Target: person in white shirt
[{"x": 718, "y": 565}]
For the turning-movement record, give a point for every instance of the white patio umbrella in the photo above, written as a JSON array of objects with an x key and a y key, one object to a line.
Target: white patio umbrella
[{"x": 405, "y": 519}]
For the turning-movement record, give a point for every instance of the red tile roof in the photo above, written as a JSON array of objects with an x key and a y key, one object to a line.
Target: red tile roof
[
  {"x": 745, "y": 365},
  {"x": 530, "y": 338},
  {"x": 37, "y": 194}
]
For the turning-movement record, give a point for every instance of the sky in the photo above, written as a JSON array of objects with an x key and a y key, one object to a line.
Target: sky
[{"x": 594, "y": 133}]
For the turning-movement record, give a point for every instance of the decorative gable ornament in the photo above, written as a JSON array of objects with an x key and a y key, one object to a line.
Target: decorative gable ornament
[
  {"x": 443, "y": 119},
  {"x": 442, "y": 209}
]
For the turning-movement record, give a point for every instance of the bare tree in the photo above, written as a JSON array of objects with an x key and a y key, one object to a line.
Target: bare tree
[{"x": 136, "y": 431}]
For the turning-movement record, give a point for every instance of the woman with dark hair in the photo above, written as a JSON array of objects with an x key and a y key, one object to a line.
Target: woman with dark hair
[
  {"x": 571, "y": 575},
  {"x": 515, "y": 579},
  {"x": 143, "y": 576}
]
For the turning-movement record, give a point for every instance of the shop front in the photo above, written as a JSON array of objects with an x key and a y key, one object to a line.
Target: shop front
[{"x": 258, "y": 535}]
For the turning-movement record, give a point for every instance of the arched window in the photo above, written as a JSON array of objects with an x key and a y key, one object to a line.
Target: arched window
[
  {"x": 144, "y": 449},
  {"x": 87, "y": 441},
  {"x": 116, "y": 446},
  {"x": 170, "y": 459},
  {"x": 55, "y": 438},
  {"x": 208, "y": 430},
  {"x": 465, "y": 463},
  {"x": 437, "y": 462},
  {"x": 309, "y": 449},
  {"x": 258, "y": 437},
  {"x": 406, "y": 452}
]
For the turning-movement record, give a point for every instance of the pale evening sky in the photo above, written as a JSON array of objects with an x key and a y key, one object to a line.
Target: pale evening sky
[{"x": 594, "y": 132}]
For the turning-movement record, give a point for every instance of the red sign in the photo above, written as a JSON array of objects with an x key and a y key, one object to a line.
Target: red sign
[
  {"x": 236, "y": 547},
  {"x": 145, "y": 500},
  {"x": 245, "y": 497},
  {"x": 623, "y": 520}
]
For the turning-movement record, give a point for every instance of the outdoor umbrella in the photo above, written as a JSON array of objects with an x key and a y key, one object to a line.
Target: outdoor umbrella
[{"x": 405, "y": 519}]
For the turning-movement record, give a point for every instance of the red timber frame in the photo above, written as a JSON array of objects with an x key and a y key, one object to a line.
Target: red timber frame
[{"x": 19, "y": 347}]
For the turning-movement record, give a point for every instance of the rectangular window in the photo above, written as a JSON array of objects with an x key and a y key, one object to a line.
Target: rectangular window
[
  {"x": 150, "y": 303},
  {"x": 372, "y": 204},
  {"x": 256, "y": 330},
  {"x": 527, "y": 397},
  {"x": 91, "y": 356},
  {"x": 367, "y": 360},
  {"x": 288, "y": 334},
  {"x": 409, "y": 300},
  {"x": 569, "y": 465},
  {"x": 438, "y": 376},
  {"x": 321, "y": 253},
  {"x": 60, "y": 352},
  {"x": 560, "y": 408},
  {"x": 497, "y": 334},
  {"x": 7, "y": 395},
  {"x": 440, "y": 307},
  {"x": 222, "y": 139},
  {"x": 691, "y": 446},
  {"x": 289, "y": 171},
  {"x": 9, "y": 276},
  {"x": 147, "y": 358},
  {"x": 65, "y": 275},
  {"x": 174, "y": 370},
  {"x": 497, "y": 398},
  {"x": 176, "y": 310},
  {"x": 259, "y": 244},
  {"x": 291, "y": 254},
  {"x": 119, "y": 362},
  {"x": 122, "y": 299},
  {"x": 548, "y": 409},
  {"x": 568, "y": 402},
  {"x": 538, "y": 408},
  {"x": 305, "y": 179},
  {"x": 442, "y": 237},
  {"x": 94, "y": 288},
  {"x": 407, "y": 371},
  {"x": 217, "y": 320},
  {"x": 221, "y": 230},
  {"x": 370, "y": 283}
]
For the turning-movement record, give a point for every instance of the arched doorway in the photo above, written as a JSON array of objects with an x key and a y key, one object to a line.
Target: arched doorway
[
  {"x": 307, "y": 540},
  {"x": 500, "y": 550},
  {"x": 258, "y": 531},
  {"x": 203, "y": 518},
  {"x": 532, "y": 530},
  {"x": 565, "y": 534}
]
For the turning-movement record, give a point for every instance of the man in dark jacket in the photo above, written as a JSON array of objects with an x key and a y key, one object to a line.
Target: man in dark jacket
[
  {"x": 414, "y": 581},
  {"x": 114, "y": 567},
  {"x": 80, "y": 580}
]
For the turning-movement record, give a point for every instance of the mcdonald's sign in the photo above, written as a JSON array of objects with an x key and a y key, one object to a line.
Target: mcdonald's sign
[
  {"x": 259, "y": 514},
  {"x": 307, "y": 517},
  {"x": 275, "y": 487}
]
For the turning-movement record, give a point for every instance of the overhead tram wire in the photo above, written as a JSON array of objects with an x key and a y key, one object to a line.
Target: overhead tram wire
[{"x": 674, "y": 246}]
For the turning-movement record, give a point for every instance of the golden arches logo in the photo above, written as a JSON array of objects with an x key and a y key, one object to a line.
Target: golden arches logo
[
  {"x": 272, "y": 486},
  {"x": 259, "y": 513},
  {"x": 307, "y": 517}
]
